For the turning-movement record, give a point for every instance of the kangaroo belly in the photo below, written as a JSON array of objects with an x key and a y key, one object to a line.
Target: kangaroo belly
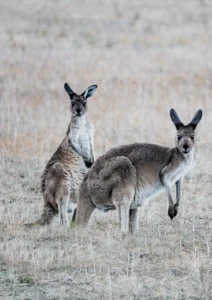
[
  {"x": 84, "y": 143},
  {"x": 144, "y": 193}
]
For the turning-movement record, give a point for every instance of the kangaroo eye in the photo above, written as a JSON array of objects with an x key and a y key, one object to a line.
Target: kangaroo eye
[
  {"x": 192, "y": 137},
  {"x": 179, "y": 138}
]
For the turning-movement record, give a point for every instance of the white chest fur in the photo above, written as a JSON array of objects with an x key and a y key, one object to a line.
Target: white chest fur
[
  {"x": 85, "y": 138},
  {"x": 81, "y": 136}
]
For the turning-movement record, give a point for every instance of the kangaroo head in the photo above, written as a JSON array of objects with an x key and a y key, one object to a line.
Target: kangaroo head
[
  {"x": 79, "y": 102},
  {"x": 185, "y": 138}
]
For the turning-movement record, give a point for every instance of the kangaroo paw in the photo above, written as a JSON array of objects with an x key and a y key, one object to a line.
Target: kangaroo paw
[
  {"x": 171, "y": 212},
  {"x": 176, "y": 209}
]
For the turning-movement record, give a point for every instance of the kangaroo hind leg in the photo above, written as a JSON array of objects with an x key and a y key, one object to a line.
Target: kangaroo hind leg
[
  {"x": 63, "y": 207},
  {"x": 123, "y": 209},
  {"x": 122, "y": 199},
  {"x": 124, "y": 190},
  {"x": 133, "y": 214}
]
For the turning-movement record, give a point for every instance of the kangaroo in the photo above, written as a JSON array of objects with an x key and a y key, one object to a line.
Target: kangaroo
[
  {"x": 126, "y": 177},
  {"x": 67, "y": 167}
]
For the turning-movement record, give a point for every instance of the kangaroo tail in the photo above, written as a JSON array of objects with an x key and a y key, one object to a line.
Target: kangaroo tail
[{"x": 48, "y": 213}]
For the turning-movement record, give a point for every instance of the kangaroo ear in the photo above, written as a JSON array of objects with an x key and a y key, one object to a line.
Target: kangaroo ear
[
  {"x": 89, "y": 91},
  {"x": 69, "y": 90},
  {"x": 175, "y": 119},
  {"x": 196, "y": 119}
]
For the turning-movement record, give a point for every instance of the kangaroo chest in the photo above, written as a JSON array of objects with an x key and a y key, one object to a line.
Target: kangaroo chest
[
  {"x": 145, "y": 193},
  {"x": 82, "y": 135},
  {"x": 84, "y": 139},
  {"x": 180, "y": 170}
]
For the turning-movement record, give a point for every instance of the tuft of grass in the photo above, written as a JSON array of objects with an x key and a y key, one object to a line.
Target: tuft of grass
[
  {"x": 25, "y": 279},
  {"x": 72, "y": 225}
]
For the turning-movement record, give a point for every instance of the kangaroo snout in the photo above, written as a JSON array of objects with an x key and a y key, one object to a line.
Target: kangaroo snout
[
  {"x": 186, "y": 144},
  {"x": 186, "y": 148},
  {"x": 78, "y": 111}
]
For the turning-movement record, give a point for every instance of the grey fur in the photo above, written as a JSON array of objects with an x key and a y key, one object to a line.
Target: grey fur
[
  {"x": 126, "y": 177},
  {"x": 67, "y": 167}
]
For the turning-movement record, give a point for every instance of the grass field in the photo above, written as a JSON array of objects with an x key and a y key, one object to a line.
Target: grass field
[{"x": 146, "y": 57}]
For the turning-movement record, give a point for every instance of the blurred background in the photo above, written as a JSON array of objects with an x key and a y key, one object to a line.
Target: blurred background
[{"x": 145, "y": 56}]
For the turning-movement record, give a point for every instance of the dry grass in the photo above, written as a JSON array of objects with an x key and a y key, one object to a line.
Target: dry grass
[{"x": 146, "y": 57}]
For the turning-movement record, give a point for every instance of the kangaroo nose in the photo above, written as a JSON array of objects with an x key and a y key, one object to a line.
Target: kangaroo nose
[
  {"x": 185, "y": 147},
  {"x": 78, "y": 110}
]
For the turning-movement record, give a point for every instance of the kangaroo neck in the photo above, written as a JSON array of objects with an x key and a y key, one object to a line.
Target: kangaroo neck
[
  {"x": 78, "y": 121},
  {"x": 187, "y": 157}
]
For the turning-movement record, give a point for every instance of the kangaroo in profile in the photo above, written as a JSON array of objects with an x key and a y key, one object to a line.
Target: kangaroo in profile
[
  {"x": 126, "y": 177},
  {"x": 67, "y": 167}
]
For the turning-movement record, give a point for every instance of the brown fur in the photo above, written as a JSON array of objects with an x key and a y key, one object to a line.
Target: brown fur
[{"x": 61, "y": 179}]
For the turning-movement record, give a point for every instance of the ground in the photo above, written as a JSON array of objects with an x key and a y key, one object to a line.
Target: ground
[{"x": 146, "y": 57}]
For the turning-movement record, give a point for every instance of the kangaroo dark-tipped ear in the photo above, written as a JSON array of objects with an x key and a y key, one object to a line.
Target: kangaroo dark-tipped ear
[
  {"x": 175, "y": 119},
  {"x": 68, "y": 90},
  {"x": 89, "y": 91},
  {"x": 196, "y": 119}
]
